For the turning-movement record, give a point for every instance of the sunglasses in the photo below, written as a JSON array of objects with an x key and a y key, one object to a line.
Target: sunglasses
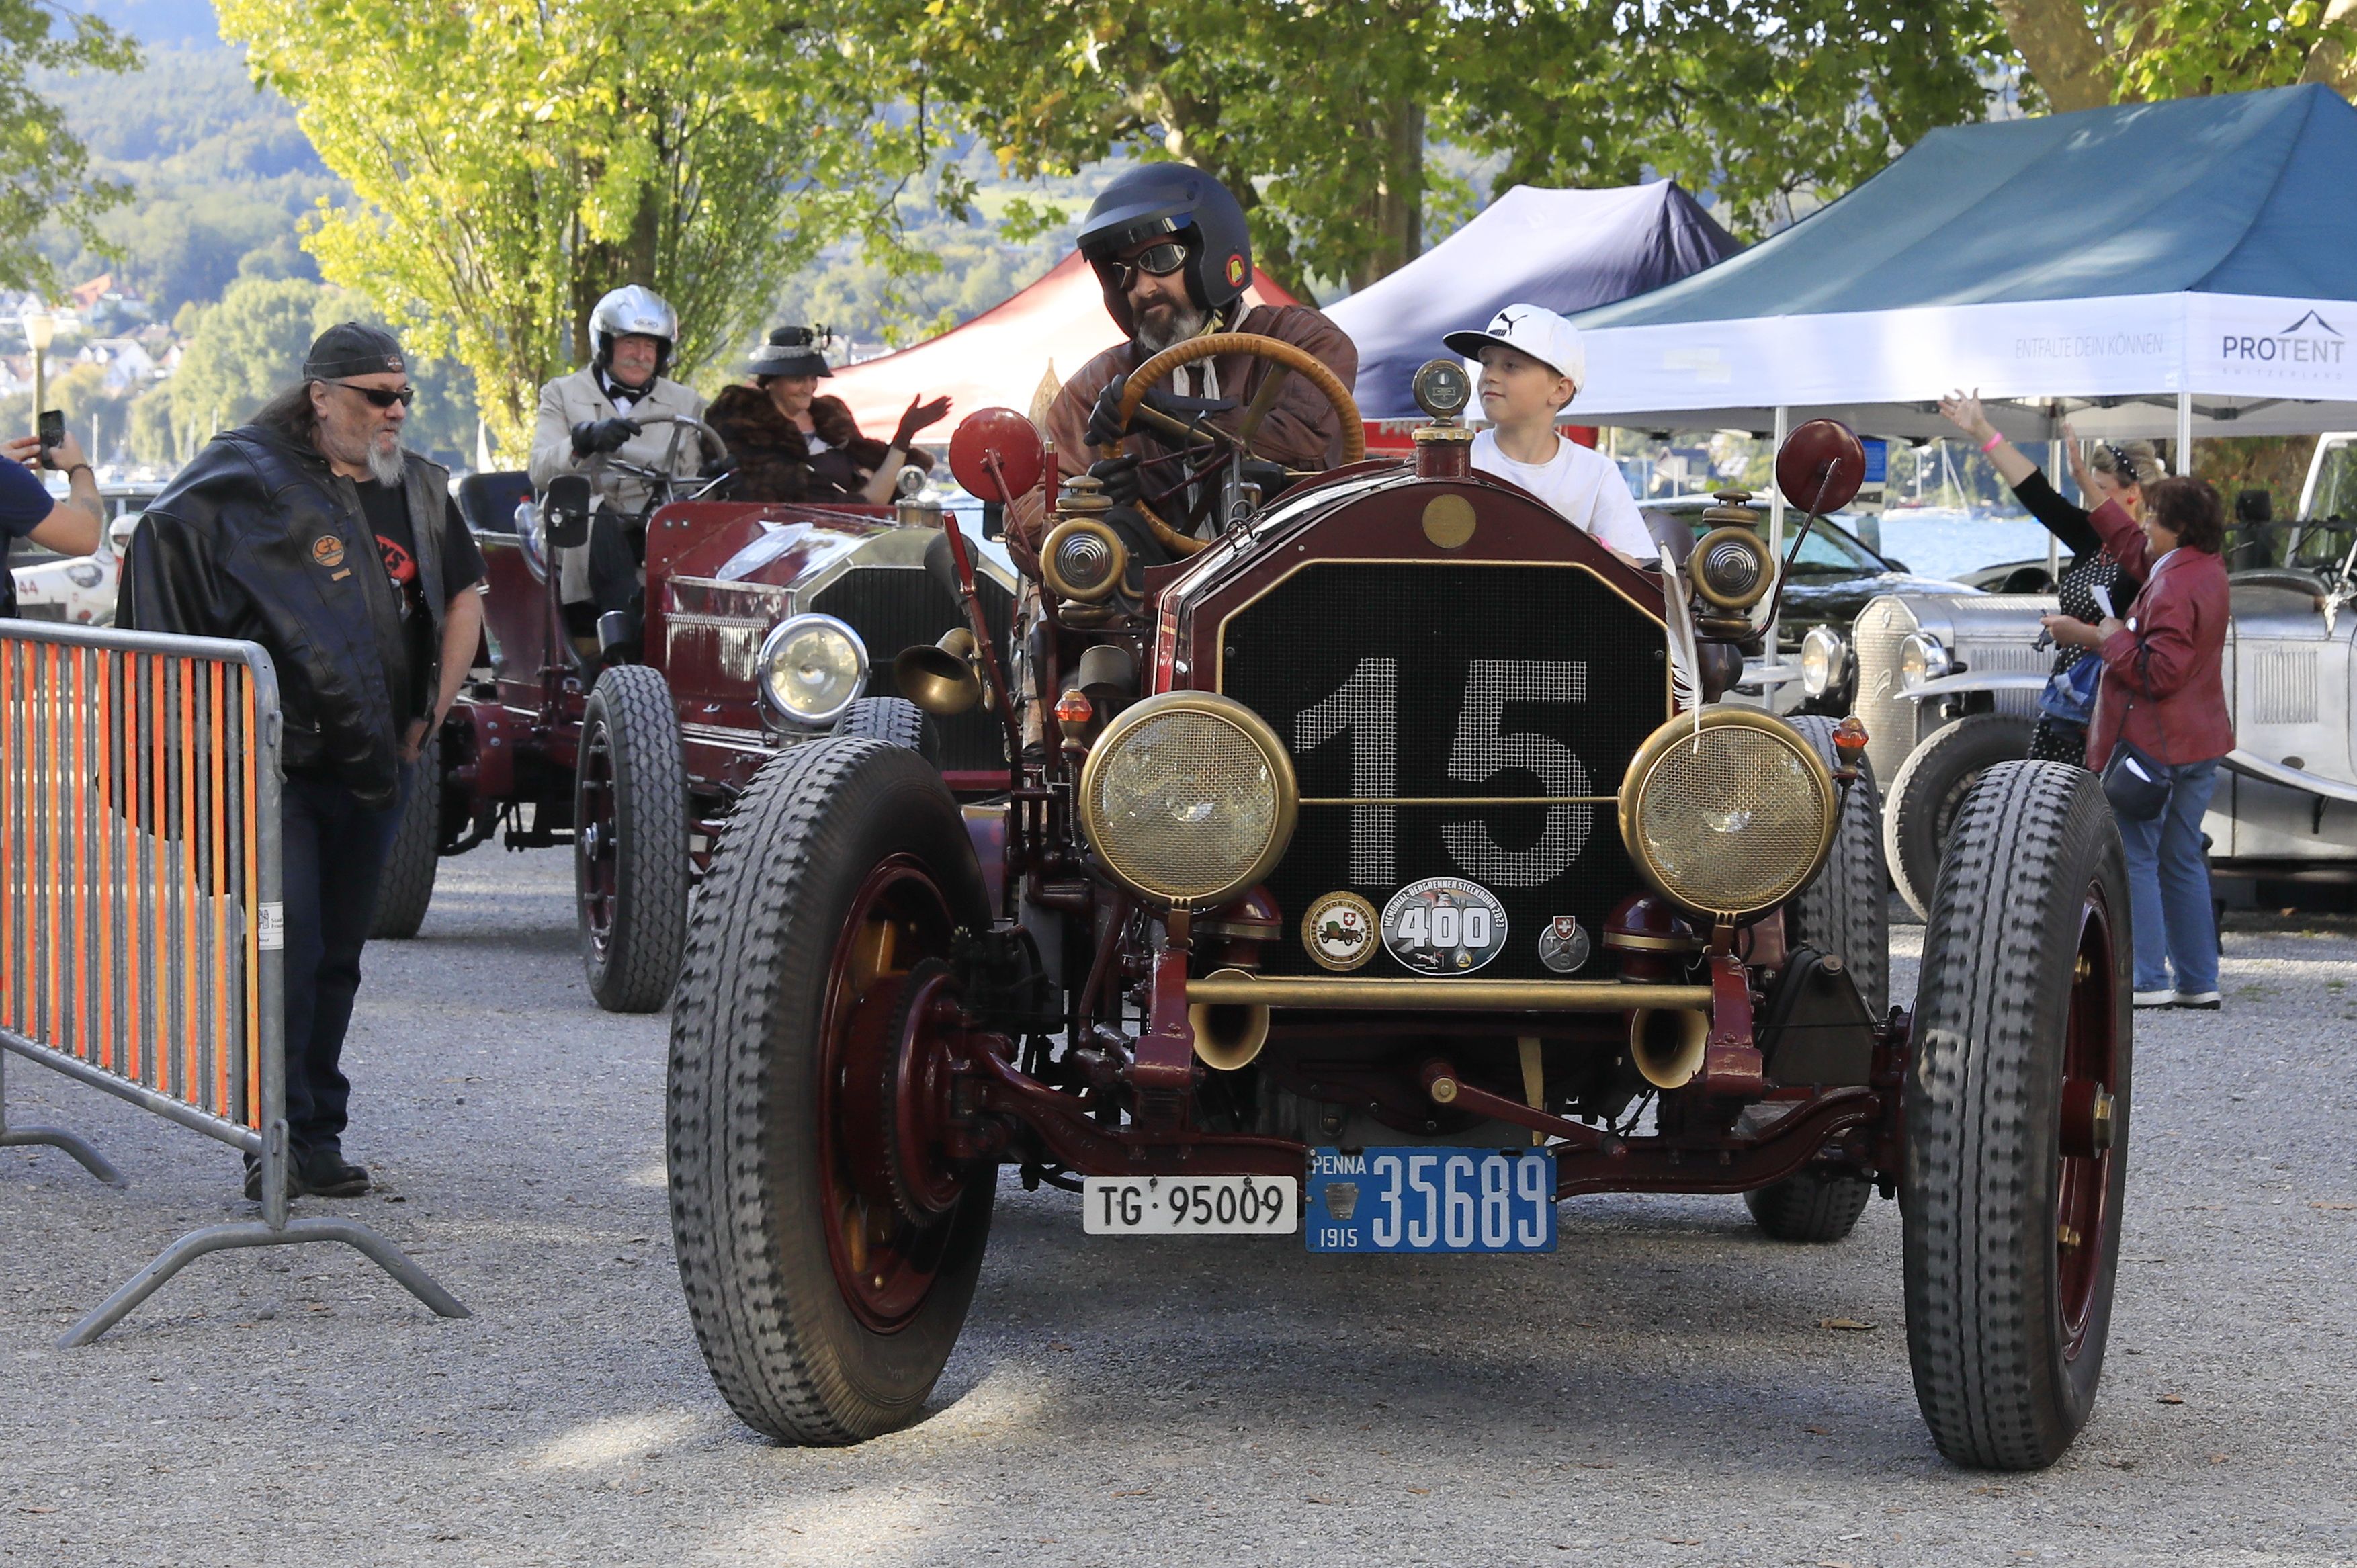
[
  {"x": 1155, "y": 260},
  {"x": 381, "y": 396}
]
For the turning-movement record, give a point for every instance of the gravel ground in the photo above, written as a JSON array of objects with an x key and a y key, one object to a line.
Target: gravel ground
[{"x": 1663, "y": 1390}]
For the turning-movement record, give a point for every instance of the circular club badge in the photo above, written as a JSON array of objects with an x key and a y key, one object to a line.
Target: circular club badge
[
  {"x": 1339, "y": 931},
  {"x": 1444, "y": 925}
]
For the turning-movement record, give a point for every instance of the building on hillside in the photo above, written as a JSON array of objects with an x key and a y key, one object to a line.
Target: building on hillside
[{"x": 128, "y": 364}]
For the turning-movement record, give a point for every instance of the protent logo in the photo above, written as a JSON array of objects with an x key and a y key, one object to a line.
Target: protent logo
[{"x": 2310, "y": 340}]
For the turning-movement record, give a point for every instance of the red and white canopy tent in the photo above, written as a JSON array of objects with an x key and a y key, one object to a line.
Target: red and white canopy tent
[{"x": 1003, "y": 356}]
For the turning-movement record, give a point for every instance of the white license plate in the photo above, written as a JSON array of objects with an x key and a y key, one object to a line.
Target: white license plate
[{"x": 1191, "y": 1206}]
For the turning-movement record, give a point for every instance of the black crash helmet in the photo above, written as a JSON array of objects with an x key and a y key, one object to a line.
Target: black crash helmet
[{"x": 1152, "y": 200}]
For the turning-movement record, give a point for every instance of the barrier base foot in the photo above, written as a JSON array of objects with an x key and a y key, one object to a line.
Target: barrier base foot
[
  {"x": 58, "y": 1138},
  {"x": 254, "y": 1233}
]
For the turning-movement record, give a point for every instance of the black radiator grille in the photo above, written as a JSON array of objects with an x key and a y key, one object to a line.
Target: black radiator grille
[
  {"x": 893, "y": 607},
  {"x": 1488, "y": 681}
]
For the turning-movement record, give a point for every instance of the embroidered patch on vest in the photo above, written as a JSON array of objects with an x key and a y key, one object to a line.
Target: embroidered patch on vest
[{"x": 328, "y": 550}]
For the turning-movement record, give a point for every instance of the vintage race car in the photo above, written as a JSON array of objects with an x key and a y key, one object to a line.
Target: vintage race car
[
  {"x": 1372, "y": 880},
  {"x": 80, "y": 589},
  {"x": 1947, "y": 685},
  {"x": 633, "y": 743}
]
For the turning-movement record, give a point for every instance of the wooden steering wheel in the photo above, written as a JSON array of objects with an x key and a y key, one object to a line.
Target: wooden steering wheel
[{"x": 1283, "y": 358}]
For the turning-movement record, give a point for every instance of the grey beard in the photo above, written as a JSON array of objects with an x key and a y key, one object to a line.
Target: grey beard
[
  {"x": 1185, "y": 323},
  {"x": 385, "y": 465}
]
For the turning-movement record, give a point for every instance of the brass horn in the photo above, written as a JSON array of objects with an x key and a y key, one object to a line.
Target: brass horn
[
  {"x": 1666, "y": 1044},
  {"x": 1229, "y": 1034},
  {"x": 939, "y": 677}
]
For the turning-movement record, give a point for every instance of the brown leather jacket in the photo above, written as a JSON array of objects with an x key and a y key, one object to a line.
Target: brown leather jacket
[{"x": 1302, "y": 431}]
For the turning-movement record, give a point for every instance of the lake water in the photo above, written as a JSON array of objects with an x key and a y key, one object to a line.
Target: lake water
[{"x": 1942, "y": 541}]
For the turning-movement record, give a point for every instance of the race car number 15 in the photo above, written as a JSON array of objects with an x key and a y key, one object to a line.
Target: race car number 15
[{"x": 1191, "y": 1206}]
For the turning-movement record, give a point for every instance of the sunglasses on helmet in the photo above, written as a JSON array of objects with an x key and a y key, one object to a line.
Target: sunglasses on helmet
[
  {"x": 1155, "y": 260},
  {"x": 382, "y": 397}
]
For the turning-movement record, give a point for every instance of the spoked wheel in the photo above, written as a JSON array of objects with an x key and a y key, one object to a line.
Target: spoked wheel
[
  {"x": 2018, "y": 1119},
  {"x": 1930, "y": 789},
  {"x": 827, "y": 1242},
  {"x": 629, "y": 841}
]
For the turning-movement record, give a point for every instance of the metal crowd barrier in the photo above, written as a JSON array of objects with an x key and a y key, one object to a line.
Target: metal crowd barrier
[{"x": 140, "y": 914}]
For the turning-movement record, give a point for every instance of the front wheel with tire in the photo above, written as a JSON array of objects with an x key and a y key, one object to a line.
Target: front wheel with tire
[
  {"x": 405, "y": 887},
  {"x": 828, "y": 1245},
  {"x": 1930, "y": 789},
  {"x": 895, "y": 721},
  {"x": 2017, "y": 1119},
  {"x": 629, "y": 841}
]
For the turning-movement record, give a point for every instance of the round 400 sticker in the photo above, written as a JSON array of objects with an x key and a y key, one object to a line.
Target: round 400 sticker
[{"x": 1444, "y": 925}]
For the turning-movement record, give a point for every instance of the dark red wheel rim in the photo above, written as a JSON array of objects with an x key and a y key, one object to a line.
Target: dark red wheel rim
[
  {"x": 593, "y": 835},
  {"x": 885, "y": 1262},
  {"x": 2083, "y": 1194}
]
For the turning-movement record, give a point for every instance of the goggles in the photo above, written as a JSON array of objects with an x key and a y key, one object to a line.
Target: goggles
[{"x": 1155, "y": 260}]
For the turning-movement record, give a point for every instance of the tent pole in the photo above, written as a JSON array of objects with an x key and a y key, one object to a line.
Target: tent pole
[
  {"x": 2184, "y": 432},
  {"x": 1776, "y": 527}
]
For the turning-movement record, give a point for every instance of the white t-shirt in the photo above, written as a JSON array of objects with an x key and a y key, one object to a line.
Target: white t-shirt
[{"x": 1582, "y": 484}]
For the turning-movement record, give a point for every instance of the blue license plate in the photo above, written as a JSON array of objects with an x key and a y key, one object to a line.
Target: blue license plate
[{"x": 1429, "y": 1201}]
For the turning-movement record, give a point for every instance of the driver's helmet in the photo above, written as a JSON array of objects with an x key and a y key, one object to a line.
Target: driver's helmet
[
  {"x": 632, "y": 309},
  {"x": 1180, "y": 201}
]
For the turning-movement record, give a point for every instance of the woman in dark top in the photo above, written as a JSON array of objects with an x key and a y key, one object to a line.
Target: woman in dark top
[{"x": 2116, "y": 471}]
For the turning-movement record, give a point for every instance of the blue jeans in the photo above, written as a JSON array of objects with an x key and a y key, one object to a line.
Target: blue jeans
[
  {"x": 332, "y": 853},
  {"x": 2169, "y": 885}
]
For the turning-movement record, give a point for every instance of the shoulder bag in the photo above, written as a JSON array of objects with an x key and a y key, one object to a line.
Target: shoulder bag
[{"x": 2136, "y": 786}]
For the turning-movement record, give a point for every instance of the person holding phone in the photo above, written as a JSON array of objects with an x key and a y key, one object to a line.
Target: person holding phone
[{"x": 27, "y": 511}]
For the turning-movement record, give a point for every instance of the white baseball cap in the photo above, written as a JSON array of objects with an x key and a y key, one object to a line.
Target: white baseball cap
[{"x": 1534, "y": 330}]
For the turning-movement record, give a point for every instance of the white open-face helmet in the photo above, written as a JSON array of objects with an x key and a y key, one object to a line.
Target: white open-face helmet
[{"x": 632, "y": 309}]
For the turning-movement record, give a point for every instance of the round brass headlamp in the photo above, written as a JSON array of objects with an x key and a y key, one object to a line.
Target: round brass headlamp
[
  {"x": 1731, "y": 568},
  {"x": 1188, "y": 797},
  {"x": 1731, "y": 818},
  {"x": 1083, "y": 560}
]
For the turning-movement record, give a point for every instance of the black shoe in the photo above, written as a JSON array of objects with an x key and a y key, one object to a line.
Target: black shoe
[
  {"x": 324, "y": 1173},
  {"x": 295, "y": 1187}
]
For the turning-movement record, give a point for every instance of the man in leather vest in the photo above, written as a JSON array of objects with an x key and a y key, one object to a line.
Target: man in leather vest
[{"x": 310, "y": 530}]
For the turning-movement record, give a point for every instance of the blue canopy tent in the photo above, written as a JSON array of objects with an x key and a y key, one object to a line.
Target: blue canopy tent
[
  {"x": 2184, "y": 268},
  {"x": 1566, "y": 250}
]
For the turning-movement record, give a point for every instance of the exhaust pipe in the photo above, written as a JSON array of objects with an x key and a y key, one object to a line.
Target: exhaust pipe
[
  {"x": 1666, "y": 1044},
  {"x": 1229, "y": 1034},
  {"x": 940, "y": 678}
]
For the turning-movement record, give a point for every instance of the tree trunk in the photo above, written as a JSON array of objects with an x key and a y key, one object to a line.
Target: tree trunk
[
  {"x": 2328, "y": 63},
  {"x": 1395, "y": 211},
  {"x": 2062, "y": 51}
]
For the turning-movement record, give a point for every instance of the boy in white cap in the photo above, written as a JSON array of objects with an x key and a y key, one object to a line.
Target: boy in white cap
[{"x": 1528, "y": 364}]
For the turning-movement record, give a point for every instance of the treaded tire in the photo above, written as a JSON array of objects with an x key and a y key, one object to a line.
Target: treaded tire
[
  {"x": 2027, "y": 971},
  {"x": 1844, "y": 910},
  {"x": 1930, "y": 791},
  {"x": 637, "y": 888},
  {"x": 406, "y": 885},
  {"x": 895, "y": 721},
  {"x": 1810, "y": 1205},
  {"x": 749, "y": 1096}
]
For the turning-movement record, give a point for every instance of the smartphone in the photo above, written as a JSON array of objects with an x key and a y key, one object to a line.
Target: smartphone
[{"x": 52, "y": 429}]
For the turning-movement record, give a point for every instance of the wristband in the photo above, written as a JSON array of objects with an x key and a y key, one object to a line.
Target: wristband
[
  {"x": 1996, "y": 439},
  {"x": 85, "y": 468}
]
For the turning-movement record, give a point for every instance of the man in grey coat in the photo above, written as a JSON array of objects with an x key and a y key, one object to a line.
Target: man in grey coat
[{"x": 610, "y": 408}]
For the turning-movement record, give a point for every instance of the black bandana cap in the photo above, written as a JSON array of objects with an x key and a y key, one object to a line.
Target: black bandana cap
[{"x": 352, "y": 350}]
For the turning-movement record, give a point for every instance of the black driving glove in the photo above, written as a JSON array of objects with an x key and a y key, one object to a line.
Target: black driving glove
[
  {"x": 602, "y": 435},
  {"x": 1120, "y": 477},
  {"x": 1104, "y": 430}
]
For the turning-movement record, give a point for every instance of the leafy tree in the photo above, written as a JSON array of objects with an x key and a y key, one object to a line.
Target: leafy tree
[
  {"x": 513, "y": 161},
  {"x": 2083, "y": 55},
  {"x": 44, "y": 171},
  {"x": 1318, "y": 114}
]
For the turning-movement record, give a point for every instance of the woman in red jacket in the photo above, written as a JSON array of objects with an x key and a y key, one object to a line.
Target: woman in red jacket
[{"x": 2164, "y": 692}]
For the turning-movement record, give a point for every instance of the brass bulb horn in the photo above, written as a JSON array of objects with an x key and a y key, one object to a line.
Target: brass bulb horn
[
  {"x": 1666, "y": 1044},
  {"x": 939, "y": 677},
  {"x": 1229, "y": 1034}
]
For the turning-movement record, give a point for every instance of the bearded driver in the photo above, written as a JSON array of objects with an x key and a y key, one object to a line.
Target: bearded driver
[
  {"x": 609, "y": 408},
  {"x": 1170, "y": 247}
]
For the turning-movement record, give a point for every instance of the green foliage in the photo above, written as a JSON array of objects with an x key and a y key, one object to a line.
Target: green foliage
[
  {"x": 44, "y": 171},
  {"x": 1769, "y": 105},
  {"x": 960, "y": 272},
  {"x": 2183, "y": 48},
  {"x": 1316, "y": 112},
  {"x": 513, "y": 161}
]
